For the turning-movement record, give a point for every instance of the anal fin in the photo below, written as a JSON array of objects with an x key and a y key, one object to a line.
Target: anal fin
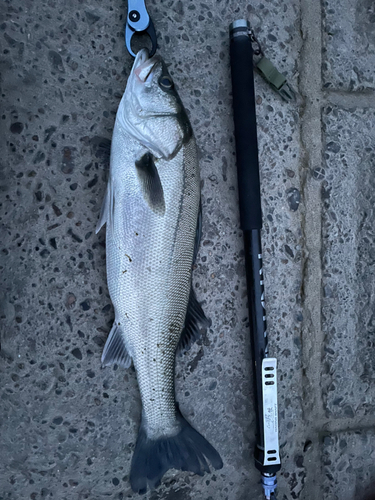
[
  {"x": 115, "y": 350},
  {"x": 195, "y": 320}
]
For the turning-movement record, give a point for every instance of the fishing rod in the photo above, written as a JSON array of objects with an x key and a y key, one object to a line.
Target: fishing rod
[{"x": 266, "y": 455}]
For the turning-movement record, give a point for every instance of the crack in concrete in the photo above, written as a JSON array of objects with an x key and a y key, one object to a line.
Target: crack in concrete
[{"x": 310, "y": 116}]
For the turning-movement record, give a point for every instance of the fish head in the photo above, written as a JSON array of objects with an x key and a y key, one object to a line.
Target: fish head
[{"x": 151, "y": 109}]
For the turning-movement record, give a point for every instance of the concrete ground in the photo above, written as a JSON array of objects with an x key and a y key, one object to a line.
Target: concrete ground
[{"x": 68, "y": 428}]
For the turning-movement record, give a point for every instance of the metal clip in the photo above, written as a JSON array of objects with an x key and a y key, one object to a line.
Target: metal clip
[
  {"x": 138, "y": 21},
  {"x": 257, "y": 49}
]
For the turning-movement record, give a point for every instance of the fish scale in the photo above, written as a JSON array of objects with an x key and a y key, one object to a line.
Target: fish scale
[{"x": 151, "y": 212}]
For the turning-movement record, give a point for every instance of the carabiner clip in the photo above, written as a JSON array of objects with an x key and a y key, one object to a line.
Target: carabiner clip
[{"x": 138, "y": 21}]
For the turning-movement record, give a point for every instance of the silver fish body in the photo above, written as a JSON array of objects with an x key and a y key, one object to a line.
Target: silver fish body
[{"x": 151, "y": 212}]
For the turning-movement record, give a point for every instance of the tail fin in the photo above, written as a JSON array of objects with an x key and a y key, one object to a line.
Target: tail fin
[{"x": 187, "y": 451}]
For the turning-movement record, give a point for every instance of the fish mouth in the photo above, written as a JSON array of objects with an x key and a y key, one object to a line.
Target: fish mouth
[{"x": 144, "y": 66}]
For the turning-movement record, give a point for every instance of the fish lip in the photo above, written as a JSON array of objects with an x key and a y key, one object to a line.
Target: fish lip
[
  {"x": 144, "y": 68},
  {"x": 149, "y": 74},
  {"x": 141, "y": 57}
]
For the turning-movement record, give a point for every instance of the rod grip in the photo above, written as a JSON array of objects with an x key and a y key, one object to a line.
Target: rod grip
[{"x": 241, "y": 58}]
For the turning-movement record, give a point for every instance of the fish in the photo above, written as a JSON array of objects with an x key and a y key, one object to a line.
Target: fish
[{"x": 152, "y": 212}]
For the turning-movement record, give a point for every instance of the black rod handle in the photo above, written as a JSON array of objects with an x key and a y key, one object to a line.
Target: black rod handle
[{"x": 241, "y": 58}]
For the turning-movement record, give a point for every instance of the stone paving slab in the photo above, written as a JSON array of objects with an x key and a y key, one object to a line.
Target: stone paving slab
[
  {"x": 348, "y": 262},
  {"x": 348, "y": 44},
  {"x": 348, "y": 460}
]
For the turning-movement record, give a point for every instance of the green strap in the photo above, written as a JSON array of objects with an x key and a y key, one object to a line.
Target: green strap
[
  {"x": 270, "y": 73},
  {"x": 275, "y": 79}
]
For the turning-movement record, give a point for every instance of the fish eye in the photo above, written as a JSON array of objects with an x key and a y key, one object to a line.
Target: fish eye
[{"x": 166, "y": 82}]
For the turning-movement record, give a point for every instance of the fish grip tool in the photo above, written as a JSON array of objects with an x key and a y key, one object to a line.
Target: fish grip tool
[
  {"x": 139, "y": 22},
  {"x": 267, "y": 456}
]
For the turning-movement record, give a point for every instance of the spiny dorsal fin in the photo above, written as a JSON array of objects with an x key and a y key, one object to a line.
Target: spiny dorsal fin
[
  {"x": 195, "y": 318},
  {"x": 150, "y": 181},
  {"x": 115, "y": 350}
]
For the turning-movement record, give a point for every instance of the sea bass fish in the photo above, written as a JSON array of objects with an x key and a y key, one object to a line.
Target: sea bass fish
[{"x": 152, "y": 216}]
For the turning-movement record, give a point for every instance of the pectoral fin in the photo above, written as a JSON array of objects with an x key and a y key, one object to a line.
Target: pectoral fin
[{"x": 150, "y": 182}]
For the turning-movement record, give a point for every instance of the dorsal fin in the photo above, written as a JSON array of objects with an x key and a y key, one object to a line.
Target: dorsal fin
[
  {"x": 195, "y": 320},
  {"x": 150, "y": 182},
  {"x": 198, "y": 233}
]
